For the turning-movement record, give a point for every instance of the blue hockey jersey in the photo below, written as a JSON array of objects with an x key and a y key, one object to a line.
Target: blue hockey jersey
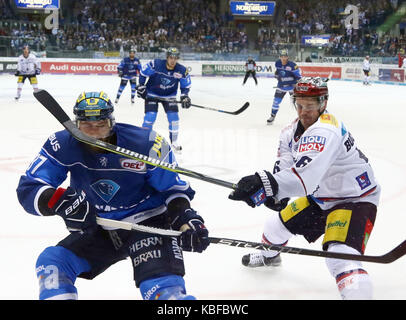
[
  {"x": 129, "y": 67},
  {"x": 287, "y": 74},
  {"x": 116, "y": 186},
  {"x": 163, "y": 82}
]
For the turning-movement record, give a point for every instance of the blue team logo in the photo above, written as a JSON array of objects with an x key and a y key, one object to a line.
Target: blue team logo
[
  {"x": 165, "y": 81},
  {"x": 363, "y": 180},
  {"x": 105, "y": 189}
]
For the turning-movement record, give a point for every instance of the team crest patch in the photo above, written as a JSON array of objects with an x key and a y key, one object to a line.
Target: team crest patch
[
  {"x": 310, "y": 143},
  {"x": 329, "y": 118},
  {"x": 105, "y": 189},
  {"x": 363, "y": 180}
]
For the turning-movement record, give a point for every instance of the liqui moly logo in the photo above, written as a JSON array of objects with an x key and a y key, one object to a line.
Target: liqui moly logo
[{"x": 312, "y": 143}]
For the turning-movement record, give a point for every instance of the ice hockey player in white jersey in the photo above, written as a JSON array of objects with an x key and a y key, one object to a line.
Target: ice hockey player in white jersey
[
  {"x": 333, "y": 185},
  {"x": 29, "y": 67},
  {"x": 366, "y": 67}
]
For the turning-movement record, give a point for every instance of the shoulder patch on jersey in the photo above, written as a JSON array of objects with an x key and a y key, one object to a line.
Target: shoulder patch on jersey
[
  {"x": 343, "y": 130},
  {"x": 329, "y": 119},
  {"x": 160, "y": 147}
]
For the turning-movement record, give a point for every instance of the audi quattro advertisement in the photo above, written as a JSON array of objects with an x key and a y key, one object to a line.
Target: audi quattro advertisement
[{"x": 79, "y": 67}]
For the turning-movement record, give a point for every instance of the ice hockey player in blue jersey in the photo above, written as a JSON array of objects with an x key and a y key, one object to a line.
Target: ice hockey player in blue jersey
[
  {"x": 287, "y": 74},
  {"x": 128, "y": 70},
  {"x": 164, "y": 78},
  {"x": 111, "y": 186}
]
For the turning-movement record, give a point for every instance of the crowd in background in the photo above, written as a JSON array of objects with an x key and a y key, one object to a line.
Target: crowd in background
[
  {"x": 328, "y": 18},
  {"x": 197, "y": 26}
]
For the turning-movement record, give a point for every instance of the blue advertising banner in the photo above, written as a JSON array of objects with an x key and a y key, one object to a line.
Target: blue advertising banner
[
  {"x": 316, "y": 40},
  {"x": 384, "y": 74},
  {"x": 252, "y": 8},
  {"x": 37, "y": 4}
]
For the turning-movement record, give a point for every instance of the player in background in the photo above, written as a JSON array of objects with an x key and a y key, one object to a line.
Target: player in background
[
  {"x": 287, "y": 73},
  {"x": 336, "y": 193},
  {"x": 164, "y": 78},
  {"x": 128, "y": 70},
  {"x": 401, "y": 59},
  {"x": 29, "y": 67},
  {"x": 111, "y": 186},
  {"x": 366, "y": 67},
  {"x": 250, "y": 67}
]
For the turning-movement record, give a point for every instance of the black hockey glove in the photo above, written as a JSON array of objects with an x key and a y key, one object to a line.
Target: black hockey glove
[
  {"x": 74, "y": 209},
  {"x": 120, "y": 73},
  {"x": 275, "y": 205},
  {"x": 186, "y": 102},
  {"x": 141, "y": 91},
  {"x": 37, "y": 72},
  {"x": 17, "y": 73},
  {"x": 195, "y": 236},
  {"x": 255, "y": 189},
  {"x": 182, "y": 217}
]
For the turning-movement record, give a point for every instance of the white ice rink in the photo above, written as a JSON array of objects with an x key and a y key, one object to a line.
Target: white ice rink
[{"x": 219, "y": 145}]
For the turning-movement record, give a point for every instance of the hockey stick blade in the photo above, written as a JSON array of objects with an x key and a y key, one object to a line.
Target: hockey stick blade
[
  {"x": 56, "y": 110},
  {"x": 244, "y": 107},
  {"x": 389, "y": 257},
  {"x": 114, "y": 224}
]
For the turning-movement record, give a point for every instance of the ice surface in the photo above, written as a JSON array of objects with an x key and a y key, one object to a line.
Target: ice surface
[{"x": 219, "y": 145}]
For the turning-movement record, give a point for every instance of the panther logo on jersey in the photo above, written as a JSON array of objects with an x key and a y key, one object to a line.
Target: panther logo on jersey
[{"x": 105, "y": 189}]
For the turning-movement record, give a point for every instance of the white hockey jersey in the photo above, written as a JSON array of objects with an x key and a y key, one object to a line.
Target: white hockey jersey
[
  {"x": 366, "y": 65},
  {"x": 325, "y": 163},
  {"x": 27, "y": 66}
]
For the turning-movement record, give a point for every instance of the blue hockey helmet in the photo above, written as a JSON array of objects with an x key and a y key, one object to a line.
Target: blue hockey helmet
[
  {"x": 172, "y": 52},
  {"x": 284, "y": 53},
  {"x": 93, "y": 106}
]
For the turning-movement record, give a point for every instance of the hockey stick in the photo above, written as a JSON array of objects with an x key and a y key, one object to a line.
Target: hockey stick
[
  {"x": 56, "y": 110},
  {"x": 243, "y": 108},
  {"x": 137, "y": 227},
  {"x": 389, "y": 257}
]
